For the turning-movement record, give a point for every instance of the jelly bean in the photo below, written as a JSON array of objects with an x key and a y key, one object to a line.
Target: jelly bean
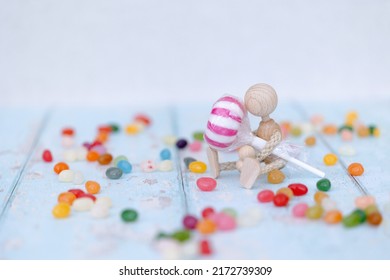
[
  {"x": 67, "y": 141},
  {"x": 82, "y": 204},
  {"x": 104, "y": 201},
  {"x": 285, "y": 128},
  {"x": 333, "y": 217},
  {"x": 371, "y": 129},
  {"x": 66, "y": 197},
  {"x": 206, "y": 184},
  {"x": 299, "y": 210},
  {"x": 61, "y": 210},
  {"x": 148, "y": 166},
  {"x": 206, "y": 212},
  {"x": 351, "y": 117},
  {"x": 70, "y": 155},
  {"x": 165, "y": 154},
  {"x": 47, "y": 156},
  {"x": 67, "y": 131},
  {"x": 317, "y": 119},
  {"x": 181, "y": 143},
  {"x": 92, "y": 187},
  {"x": 118, "y": 159},
  {"x": 329, "y": 129},
  {"x": 346, "y": 135},
  {"x": 114, "y": 127},
  {"x": 181, "y": 235},
  {"x": 188, "y": 160},
  {"x": 354, "y": 219},
  {"x": 225, "y": 222},
  {"x": 286, "y": 191},
  {"x": 319, "y": 196},
  {"x": 81, "y": 153},
  {"x": 275, "y": 176},
  {"x": 328, "y": 204},
  {"x": 362, "y": 202},
  {"x": 374, "y": 219},
  {"x": 363, "y": 131},
  {"x": 189, "y": 222},
  {"x": 114, "y": 173},
  {"x": 347, "y": 150},
  {"x": 298, "y": 189},
  {"x": 296, "y": 131},
  {"x": 195, "y": 146},
  {"x": 330, "y": 159},
  {"x": 197, "y": 167},
  {"x": 345, "y": 128},
  {"x": 307, "y": 128},
  {"x": 198, "y": 135},
  {"x": 314, "y": 212},
  {"x": 60, "y": 167},
  {"x": 102, "y": 137},
  {"x": 204, "y": 248},
  {"x": 144, "y": 119},
  {"x": 66, "y": 176},
  {"x": 361, "y": 214},
  {"x": 371, "y": 209},
  {"x": 76, "y": 192},
  {"x": 206, "y": 226},
  {"x": 310, "y": 141},
  {"x": 229, "y": 211},
  {"x": 99, "y": 211},
  {"x": 104, "y": 129},
  {"x": 169, "y": 140},
  {"x": 376, "y": 132},
  {"x": 100, "y": 149},
  {"x": 92, "y": 156},
  {"x": 125, "y": 166},
  {"x": 105, "y": 159},
  {"x": 129, "y": 215},
  {"x": 280, "y": 200},
  {"x": 165, "y": 165},
  {"x": 78, "y": 178},
  {"x": 250, "y": 217},
  {"x": 265, "y": 196},
  {"x": 324, "y": 185},
  {"x": 355, "y": 169},
  {"x": 87, "y": 195},
  {"x": 134, "y": 128}
]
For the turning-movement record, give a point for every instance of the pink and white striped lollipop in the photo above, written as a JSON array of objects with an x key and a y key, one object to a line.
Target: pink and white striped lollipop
[{"x": 225, "y": 120}]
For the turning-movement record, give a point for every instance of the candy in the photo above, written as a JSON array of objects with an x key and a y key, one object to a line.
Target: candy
[
  {"x": 99, "y": 211},
  {"x": 61, "y": 210},
  {"x": 82, "y": 204},
  {"x": 66, "y": 197},
  {"x": 362, "y": 202},
  {"x": 310, "y": 141},
  {"x": 129, "y": 215},
  {"x": 324, "y": 185},
  {"x": 354, "y": 219},
  {"x": 355, "y": 169},
  {"x": 296, "y": 131},
  {"x": 376, "y": 132},
  {"x": 143, "y": 119},
  {"x": 298, "y": 189},
  {"x": 67, "y": 141},
  {"x": 169, "y": 140},
  {"x": 181, "y": 235},
  {"x": 314, "y": 212},
  {"x": 363, "y": 131},
  {"x": 319, "y": 196},
  {"x": 347, "y": 150},
  {"x": 345, "y": 128},
  {"x": 92, "y": 156},
  {"x": 351, "y": 117},
  {"x": 206, "y": 184},
  {"x": 374, "y": 219},
  {"x": 346, "y": 135},
  {"x": 306, "y": 128},
  {"x": 197, "y": 167},
  {"x": 286, "y": 191},
  {"x": 317, "y": 119},
  {"x": 118, "y": 159},
  {"x": 66, "y": 176},
  {"x": 265, "y": 196},
  {"x": 134, "y": 128},
  {"x": 105, "y": 159},
  {"x": 148, "y": 166},
  {"x": 104, "y": 201},
  {"x": 206, "y": 212},
  {"x": 100, "y": 149},
  {"x": 333, "y": 217},
  {"x": 70, "y": 155},
  {"x": 329, "y": 129},
  {"x": 280, "y": 200},
  {"x": 60, "y": 167},
  {"x": 188, "y": 160},
  {"x": 198, "y": 135},
  {"x": 87, "y": 195},
  {"x": 285, "y": 128},
  {"x": 114, "y": 173},
  {"x": 225, "y": 222},
  {"x": 78, "y": 178},
  {"x": 276, "y": 176},
  {"x": 76, "y": 192},
  {"x": 299, "y": 210},
  {"x": 371, "y": 129},
  {"x": 92, "y": 187},
  {"x": 328, "y": 204},
  {"x": 206, "y": 226},
  {"x": 47, "y": 156},
  {"x": 195, "y": 146},
  {"x": 125, "y": 166},
  {"x": 68, "y": 131},
  {"x": 165, "y": 165},
  {"x": 102, "y": 137},
  {"x": 181, "y": 143},
  {"x": 371, "y": 209},
  {"x": 165, "y": 154},
  {"x": 81, "y": 153},
  {"x": 204, "y": 248},
  {"x": 190, "y": 222},
  {"x": 114, "y": 127},
  {"x": 330, "y": 159}
]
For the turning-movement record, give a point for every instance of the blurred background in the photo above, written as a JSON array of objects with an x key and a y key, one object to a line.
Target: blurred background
[{"x": 132, "y": 52}]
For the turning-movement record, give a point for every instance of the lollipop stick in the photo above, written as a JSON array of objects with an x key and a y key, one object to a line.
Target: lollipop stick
[{"x": 259, "y": 143}]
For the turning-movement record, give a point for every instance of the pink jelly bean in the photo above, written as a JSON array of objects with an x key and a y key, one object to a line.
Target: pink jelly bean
[
  {"x": 362, "y": 202},
  {"x": 206, "y": 184},
  {"x": 346, "y": 135},
  {"x": 100, "y": 149},
  {"x": 265, "y": 196},
  {"x": 224, "y": 221},
  {"x": 148, "y": 166},
  {"x": 195, "y": 146},
  {"x": 299, "y": 210}
]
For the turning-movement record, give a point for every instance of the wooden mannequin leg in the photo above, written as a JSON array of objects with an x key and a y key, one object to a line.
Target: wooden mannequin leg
[
  {"x": 249, "y": 172},
  {"x": 212, "y": 156}
]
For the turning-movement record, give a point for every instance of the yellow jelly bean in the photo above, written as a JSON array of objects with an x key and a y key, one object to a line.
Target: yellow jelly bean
[
  {"x": 276, "y": 176},
  {"x": 286, "y": 191},
  {"x": 197, "y": 167},
  {"x": 330, "y": 159},
  {"x": 134, "y": 128},
  {"x": 61, "y": 210},
  {"x": 319, "y": 196}
]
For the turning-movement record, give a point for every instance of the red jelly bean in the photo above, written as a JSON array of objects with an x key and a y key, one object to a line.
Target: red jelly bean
[
  {"x": 206, "y": 184},
  {"x": 145, "y": 120},
  {"x": 298, "y": 189},
  {"x": 88, "y": 195},
  {"x": 105, "y": 129},
  {"x": 207, "y": 212},
  {"x": 77, "y": 192},
  {"x": 265, "y": 196},
  {"x": 281, "y": 199},
  {"x": 46, "y": 156},
  {"x": 205, "y": 247},
  {"x": 68, "y": 131}
]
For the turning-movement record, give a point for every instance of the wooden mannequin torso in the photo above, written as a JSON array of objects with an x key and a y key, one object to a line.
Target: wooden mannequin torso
[{"x": 267, "y": 128}]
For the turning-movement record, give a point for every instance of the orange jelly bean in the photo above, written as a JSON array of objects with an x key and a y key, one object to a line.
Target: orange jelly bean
[
  {"x": 333, "y": 217},
  {"x": 319, "y": 196},
  {"x": 276, "y": 176},
  {"x": 105, "y": 159},
  {"x": 329, "y": 129},
  {"x": 61, "y": 166},
  {"x": 92, "y": 156},
  {"x": 92, "y": 187},
  {"x": 206, "y": 226},
  {"x": 355, "y": 169},
  {"x": 102, "y": 137},
  {"x": 310, "y": 141},
  {"x": 67, "y": 197},
  {"x": 363, "y": 131}
]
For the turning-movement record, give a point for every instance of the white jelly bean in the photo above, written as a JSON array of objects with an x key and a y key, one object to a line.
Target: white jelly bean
[
  {"x": 78, "y": 178},
  {"x": 82, "y": 204},
  {"x": 328, "y": 204},
  {"x": 81, "y": 153},
  {"x": 169, "y": 140},
  {"x": 67, "y": 141},
  {"x": 347, "y": 150},
  {"x": 66, "y": 176},
  {"x": 104, "y": 201},
  {"x": 165, "y": 165},
  {"x": 70, "y": 155}
]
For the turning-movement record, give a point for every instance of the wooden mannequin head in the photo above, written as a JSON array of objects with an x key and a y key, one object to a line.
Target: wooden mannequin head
[{"x": 261, "y": 100}]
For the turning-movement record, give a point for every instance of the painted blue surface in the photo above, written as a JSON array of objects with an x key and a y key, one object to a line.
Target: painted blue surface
[{"x": 28, "y": 230}]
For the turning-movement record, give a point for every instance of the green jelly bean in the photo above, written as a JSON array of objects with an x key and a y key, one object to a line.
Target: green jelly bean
[
  {"x": 188, "y": 160},
  {"x": 350, "y": 128},
  {"x": 198, "y": 135},
  {"x": 181, "y": 235},
  {"x": 114, "y": 127},
  {"x": 371, "y": 128},
  {"x": 129, "y": 215},
  {"x": 114, "y": 173},
  {"x": 356, "y": 218},
  {"x": 314, "y": 212},
  {"x": 361, "y": 214},
  {"x": 324, "y": 185}
]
